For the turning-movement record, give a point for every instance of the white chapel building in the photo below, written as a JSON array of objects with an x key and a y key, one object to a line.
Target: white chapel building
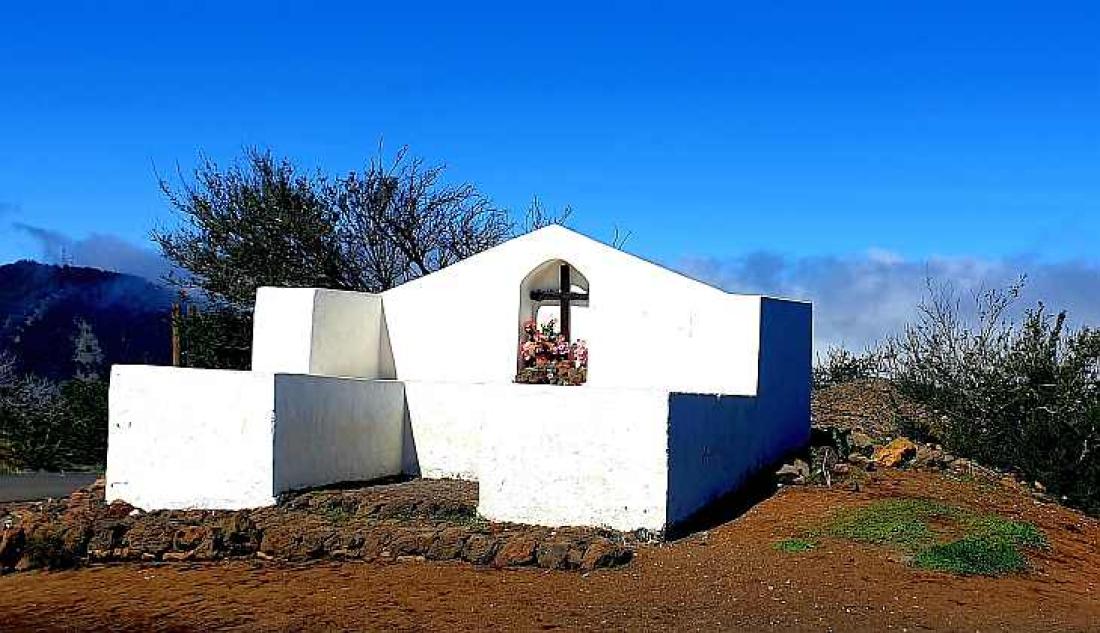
[{"x": 687, "y": 391}]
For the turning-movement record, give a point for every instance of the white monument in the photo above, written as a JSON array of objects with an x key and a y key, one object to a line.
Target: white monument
[{"x": 687, "y": 391}]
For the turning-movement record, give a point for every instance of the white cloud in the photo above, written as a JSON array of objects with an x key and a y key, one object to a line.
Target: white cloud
[{"x": 860, "y": 299}]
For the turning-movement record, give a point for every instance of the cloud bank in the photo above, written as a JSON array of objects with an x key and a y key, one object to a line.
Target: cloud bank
[
  {"x": 108, "y": 252},
  {"x": 860, "y": 299}
]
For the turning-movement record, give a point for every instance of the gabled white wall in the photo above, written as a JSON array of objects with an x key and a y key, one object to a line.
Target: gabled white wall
[{"x": 645, "y": 325}]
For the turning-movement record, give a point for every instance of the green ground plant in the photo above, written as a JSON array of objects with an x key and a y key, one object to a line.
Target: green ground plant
[
  {"x": 794, "y": 545},
  {"x": 939, "y": 536}
]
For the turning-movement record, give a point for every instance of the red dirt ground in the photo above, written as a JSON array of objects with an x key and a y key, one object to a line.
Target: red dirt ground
[{"x": 727, "y": 578}]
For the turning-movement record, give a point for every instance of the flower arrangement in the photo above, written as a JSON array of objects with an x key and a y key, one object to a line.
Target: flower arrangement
[{"x": 547, "y": 358}]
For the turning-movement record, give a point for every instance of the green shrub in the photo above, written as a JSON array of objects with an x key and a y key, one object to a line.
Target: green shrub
[
  {"x": 1024, "y": 395},
  {"x": 839, "y": 366},
  {"x": 219, "y": 337}
]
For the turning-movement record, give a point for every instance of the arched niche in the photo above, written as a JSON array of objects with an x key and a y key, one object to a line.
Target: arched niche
[{"x": 554, "y": 301}]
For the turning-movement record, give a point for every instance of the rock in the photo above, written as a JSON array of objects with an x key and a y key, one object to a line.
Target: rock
[
  {"x": 480, "y": 549},
  {"x": 895, "y": 454},
  {"x": 188, "y": 537},
  {"x": 575, "y": 557},
  {"x": 447, "y": 544},
  {"x": 841, "y": 468},
  {"x": 603, "y": 553},
  {"x": 412, "y": 543},
  {"x": 175, "y": 557},
  {"x": 794, "y": 473},
  {"x": 961, "y": 464},
  {"x": 154, "y": 536},
  {"x": 862, "y": 443},
  {"x": 12, "y": 540},
  {"x": 120, "y": 510},
  {"x": 239, "y": 534},
  {"x": 859, "y": 459},
  {"x": 516, "y": 552},
  {"x": 553, "y": 555}
]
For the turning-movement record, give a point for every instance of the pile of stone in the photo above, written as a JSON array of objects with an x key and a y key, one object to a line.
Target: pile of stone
[
  {"x": 840, "y": 454},
  {"x": 413, "y": 520}
]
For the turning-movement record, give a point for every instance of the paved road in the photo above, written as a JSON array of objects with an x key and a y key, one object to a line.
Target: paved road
[{"x": 32, "y": 486}]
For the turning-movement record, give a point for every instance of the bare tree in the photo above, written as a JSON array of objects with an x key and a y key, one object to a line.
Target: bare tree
[
  {"x": 399, "y": 221},
  {"x": 538, "y": 217},
  {"x": 264, "y": 221}
]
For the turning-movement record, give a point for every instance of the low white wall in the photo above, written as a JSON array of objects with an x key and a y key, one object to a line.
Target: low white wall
[
  {"x": 330, "y": 430},
  {"x": 575, "y": 456},
  {"x": 190, "y": 438},
  {"x": 445, "y": 421}
]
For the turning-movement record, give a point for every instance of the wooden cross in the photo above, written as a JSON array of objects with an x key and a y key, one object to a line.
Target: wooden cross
[{"x": 564, "y": 296}]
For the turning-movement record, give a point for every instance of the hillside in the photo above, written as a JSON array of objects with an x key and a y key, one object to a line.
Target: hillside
[{"x": 44, "y": 309}]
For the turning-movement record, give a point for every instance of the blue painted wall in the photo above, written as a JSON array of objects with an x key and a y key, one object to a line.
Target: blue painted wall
[{"x": 717, "y": 442}]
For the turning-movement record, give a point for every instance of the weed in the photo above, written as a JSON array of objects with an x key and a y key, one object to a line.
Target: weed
[{"x": 794, "y": 545}]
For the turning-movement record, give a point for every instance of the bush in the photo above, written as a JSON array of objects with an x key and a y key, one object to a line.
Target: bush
[
  {"x": 85, "y": 403},
  {"x": 33, "y": 423},
  {"x": 840, "y": 366},
  {"x": 1023, "y": 396},
  {"x": 219, "y": 337},
  {"x": 48, "y": 426}
]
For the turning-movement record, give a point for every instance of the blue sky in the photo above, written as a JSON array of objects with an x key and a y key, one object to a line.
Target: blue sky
[{"x": 811, "y": 132}]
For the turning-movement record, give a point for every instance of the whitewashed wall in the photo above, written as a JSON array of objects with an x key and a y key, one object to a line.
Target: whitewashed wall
[
  {"x": 320, "y": 332},
  {"x": 445, "y": 420},
  {"x": 647, "y": 327},
  {"x": 330, "y": 430},
  {"x": 190, "y": 438},
  {"x": 575, "y": 456}
]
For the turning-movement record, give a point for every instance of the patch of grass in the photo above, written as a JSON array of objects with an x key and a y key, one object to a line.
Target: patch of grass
[
  {"x": 986, "y": 544},
  {"x": 897, "y": 522},
  {"x": 996, "y": 527},
  {"x": 794, "y": 545},
  {"x": 973, "y": 555}
]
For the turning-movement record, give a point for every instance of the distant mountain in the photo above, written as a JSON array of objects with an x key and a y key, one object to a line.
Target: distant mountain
[{"x": 60, "y": 321}]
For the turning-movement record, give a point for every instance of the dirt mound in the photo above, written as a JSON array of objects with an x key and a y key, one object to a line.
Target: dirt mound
[
  {"x": 870, "y": 406},
  {"x": 432, "y": 519}
]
